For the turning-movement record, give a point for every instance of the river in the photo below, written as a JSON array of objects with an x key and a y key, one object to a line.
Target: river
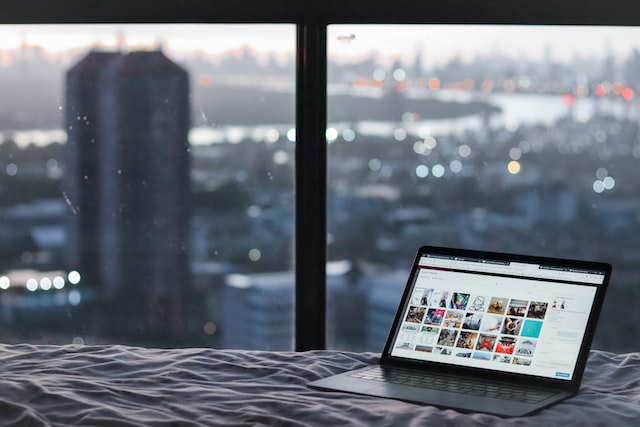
[{"x": 515, "y": 110}]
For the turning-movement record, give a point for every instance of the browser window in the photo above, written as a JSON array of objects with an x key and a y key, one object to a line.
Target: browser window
[{"x": 508, "y": 317}]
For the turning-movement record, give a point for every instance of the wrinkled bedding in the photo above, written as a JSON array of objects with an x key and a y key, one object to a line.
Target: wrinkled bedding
[{"x": 131, "y": 386}]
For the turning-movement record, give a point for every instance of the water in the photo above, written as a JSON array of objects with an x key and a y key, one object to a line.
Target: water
[{"x": 516, "y": 110}]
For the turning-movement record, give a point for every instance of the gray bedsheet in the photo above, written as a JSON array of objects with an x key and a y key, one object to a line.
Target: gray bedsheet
[{"x": 118, "y": 385}]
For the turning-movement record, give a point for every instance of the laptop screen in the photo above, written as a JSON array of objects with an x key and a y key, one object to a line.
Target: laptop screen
[{"x": 497, "y": 313}]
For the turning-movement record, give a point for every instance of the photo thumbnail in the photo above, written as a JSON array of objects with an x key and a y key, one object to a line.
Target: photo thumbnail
[
  {"x": 478, "y": 303},
  {"x": 434, "y": 316},
  {"x": 506, "y": 345},
  {"x": 422, "y": 296},
  {"x": 526, "y": 347},
  {"x": 486, "y": 342},
  {"x": 415, "y": 314},
  {"x": 537, "y": 309},
  {"x": 453, "y": 319},
  {"x": 448, "y": 337},
  {"x": 459, "y": 301},
  {"x": 512, "y": 325},
  {"x": 517, "y": 307},
  {"x": 428, "y": 335},
  {"x": 491, "y": 323},
  {"x": 472, "y": 321},
  {"x": 497, "y": 305},
  {"x": 467, "y": 339},
  {"x": 531, "y": 328}
]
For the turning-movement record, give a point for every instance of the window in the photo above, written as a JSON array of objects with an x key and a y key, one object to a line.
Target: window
[
  {"x": 148, "y": 184},
  {"x": 504, "y": 138},
  {"x": 314, "y": 204}
]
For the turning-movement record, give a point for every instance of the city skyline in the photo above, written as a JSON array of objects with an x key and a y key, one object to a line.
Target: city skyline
[
  {"x": 439, "y": 42},
  {"x": 212, "y": 39},
  {"x": 443, "y": 42}
]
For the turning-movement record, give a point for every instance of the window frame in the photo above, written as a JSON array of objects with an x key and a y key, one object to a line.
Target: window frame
[{"x": 312, "y": 20}]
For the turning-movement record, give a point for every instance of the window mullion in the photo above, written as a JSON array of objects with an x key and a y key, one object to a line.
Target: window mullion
[{"x": 310, "y": 188}]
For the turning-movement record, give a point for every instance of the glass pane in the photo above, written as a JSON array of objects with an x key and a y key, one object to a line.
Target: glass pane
[
  {"x": 146, "y": 184},
  {"x": 506, "y": 138}
]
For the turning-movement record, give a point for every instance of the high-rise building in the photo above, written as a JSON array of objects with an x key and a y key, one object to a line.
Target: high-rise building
[{"x": 127, "y": 184}]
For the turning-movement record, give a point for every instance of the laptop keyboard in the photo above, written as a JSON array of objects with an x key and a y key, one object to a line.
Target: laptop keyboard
[{"x": 470, "y": 386}]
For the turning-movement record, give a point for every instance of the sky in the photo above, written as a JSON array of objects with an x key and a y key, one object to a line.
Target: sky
[
  {"x": 213, "y": 39},
  {"x": 442, "y": 42},
  {"x": 439, "y": 42}
]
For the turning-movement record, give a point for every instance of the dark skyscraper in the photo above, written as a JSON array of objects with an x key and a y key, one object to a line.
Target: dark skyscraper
[{"x": 127, "y": 184}]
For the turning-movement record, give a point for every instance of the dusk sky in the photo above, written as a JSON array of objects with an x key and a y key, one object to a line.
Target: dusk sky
[{"x": 439, "y": 42}]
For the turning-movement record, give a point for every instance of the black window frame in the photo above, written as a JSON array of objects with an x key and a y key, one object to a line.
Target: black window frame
[{"x": 311, "y": 20}]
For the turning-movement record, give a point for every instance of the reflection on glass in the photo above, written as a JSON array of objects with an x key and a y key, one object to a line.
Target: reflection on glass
[
  {"x": 506, "y": 138},
  {"x": 146, "y": 184}
]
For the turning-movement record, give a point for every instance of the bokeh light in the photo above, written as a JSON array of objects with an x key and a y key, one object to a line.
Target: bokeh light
[
  {"x": 514, "y": 167},
  {"x": 255, "y": 255},
  {"x": 422, "y": 171},
  {"x": 74, "y": 277},
  {"x": 438, "y": 170}
]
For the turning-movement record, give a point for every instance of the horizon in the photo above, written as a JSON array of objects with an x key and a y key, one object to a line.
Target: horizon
[{"x": 439, "y": 43}]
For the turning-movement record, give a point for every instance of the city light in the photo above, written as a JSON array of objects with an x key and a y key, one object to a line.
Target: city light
[
  {"x": 272, "y": 135},
  {"x": 32, "y": 285},
  {"x": 434, "y": 83},
  {"x": 421, "y": 148},
  {"x": 375, "y": 165},
  {"x": 255, "y": 255},
  {"x": 12, "y": 169},
  {"x": 438, "y": 170},
  {"x": 280, "y": 157},
  {"x": 74, "y": 277},
  {"x": 430, "y": 142},
  {"x": 513, "y": 167},
  {"x": 74, "y": 297},
  {"x": 379, "y": 74},
  {"x": 254, "y": 211},
  {"x": 58, "y": 282},
  {"x": 399, "y": 75},
  {"x": 349, "y": 135},
  {"x": 464, "y": 150},
  {"x": 598, "y": 186},
  {"x": 455, "y": 166},
  {"x": 422, "y": 171},
  {"x": 331, "y": 134},
  {"x": 600, "y": 90},
  {"x": 399, "y": 134},
  {"x": 210, "y": 328},
  {"x": 568, "y": 99},
  {"x": 45, "y": 283},
  {"x": 291, "y": 135},
  {"x": 604, "y": 181}
]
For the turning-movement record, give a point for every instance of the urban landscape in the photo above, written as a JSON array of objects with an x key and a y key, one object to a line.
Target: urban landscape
[{"x": 148, "y": 200}]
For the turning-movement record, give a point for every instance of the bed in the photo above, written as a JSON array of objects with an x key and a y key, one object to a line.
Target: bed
[{"x": 132, "y": 386}]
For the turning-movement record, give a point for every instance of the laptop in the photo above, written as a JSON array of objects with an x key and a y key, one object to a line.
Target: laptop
[{"x": 486, "y": 332}]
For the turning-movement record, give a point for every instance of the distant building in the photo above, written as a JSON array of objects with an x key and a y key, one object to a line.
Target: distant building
[
  {"x": 127, "y": 183},
  {"x": 258, "y": 309}
]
